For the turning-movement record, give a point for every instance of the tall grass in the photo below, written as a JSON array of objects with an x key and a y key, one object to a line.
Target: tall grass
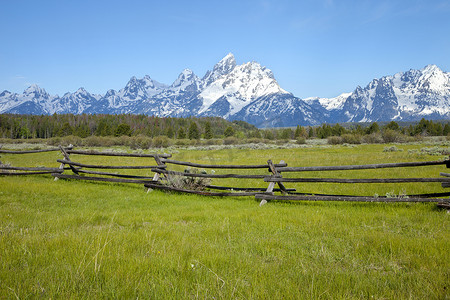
[{"x": 71, "y": 239}]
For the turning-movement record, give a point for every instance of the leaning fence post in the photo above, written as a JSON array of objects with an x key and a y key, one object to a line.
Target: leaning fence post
[
  {"x": 272, "y": 184},
  {"x": 160, "y": 163},
  {"x": 61, "y": 166},
  {"x": 276, "y": 173},
  {"x": 66, "y": 157}
]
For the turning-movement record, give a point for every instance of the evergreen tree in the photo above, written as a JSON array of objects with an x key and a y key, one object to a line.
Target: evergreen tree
[
  {"x": 310, "y": 132},
  {"x": 170, "y": 133},
  {"x": 373, "y": 128},
  {"x": 208, "y": 132},
  {"x": 338, "y": 130},
  {"x": 103, "y": 128},
  {"x": 193, "y": 131},
  {"x": 123, "y": 129},
  {"x": 82, "y": 131},
  {"x": 286, "y": 134},
  {"x": 446, "y": 130},
  {"x": 229, "y": 131},
  {"x": 65, "y": 130},
  {"x": 268, "y": 134},
  {"x": 437, "y": 129},
  {"x": 181, "y": 134},
  {"x": 299, "y": 132},
  {"x": 392, "y": 126}
]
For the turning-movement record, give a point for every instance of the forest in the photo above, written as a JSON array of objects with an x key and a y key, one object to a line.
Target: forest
[{"x": 14, "y": 126}]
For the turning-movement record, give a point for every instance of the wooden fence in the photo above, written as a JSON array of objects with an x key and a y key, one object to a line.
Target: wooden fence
[
  {"x": 228, "y": 190},
  {"x": 80, "y": 172},
  {"x": 277, "y": 178},
  {"x": 163, "y": 173},
  {"x": 6, "y": 170}
]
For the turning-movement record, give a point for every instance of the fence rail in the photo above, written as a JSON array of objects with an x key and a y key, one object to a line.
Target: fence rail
[
  {"x": 162, "y": 176},
  {"x": 6, "y": 170},
  {"x": 77, "y": 167},
  {"x": 364, "y": 167}
]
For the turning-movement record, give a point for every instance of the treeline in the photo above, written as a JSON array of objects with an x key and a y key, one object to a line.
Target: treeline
[
  {"x": 83, "y": 126},
  {"x": 48, "y": 126}
]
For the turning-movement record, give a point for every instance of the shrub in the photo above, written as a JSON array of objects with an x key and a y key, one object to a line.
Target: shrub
[
  {"x": 255, "y": 141},
  {"x": 55, "y": 141},
  {"x": 161, "y": 141},
  {"x": 231, "y": 140},
  {"x": 187, "y": 182},
  {"x": 124, "y": 140},
  {"x": 351, "y": 138},
  {"x": 213, "y": 142},
  {"x": 98, "y": 141},
  {"x": 391, "y": 136},
  {"x": 301, "y": 140},
  {"x": 392, "y": 149},
  {"x": 435, "y": 151},
  {"x": 71, "y": 140},
  {"x": 139, "y": 142},
  {"x": 373, "y": 138},
  {"x": 281, "y": 142},
  {"x": 182, "y": 142},
  {"x": 334, "y": 140}
]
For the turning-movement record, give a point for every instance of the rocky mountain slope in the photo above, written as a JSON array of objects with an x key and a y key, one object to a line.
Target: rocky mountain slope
[{"x": 251, "y": 93}]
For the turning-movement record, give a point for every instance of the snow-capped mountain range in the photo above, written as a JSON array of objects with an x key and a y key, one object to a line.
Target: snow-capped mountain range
[{"x": 250, "y": 92}]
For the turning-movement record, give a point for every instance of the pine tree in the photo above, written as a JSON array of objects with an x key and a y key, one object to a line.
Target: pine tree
[
  {"x": 373, "y": 128},
  {"x": 299, "y": 132},
  {"x": 170, "y": 133},
  {"x": 446, "y": 130},
  {"x": 229, "y": 131},
  {"x": 208, "y": 132},
  {"x": 123, "y": 129},
  {"x": 65, "y": 130},
  {"x": 181, "y": 134},
  {"x": 310, "y": 132},
  {"x": 193, "y": 131}
]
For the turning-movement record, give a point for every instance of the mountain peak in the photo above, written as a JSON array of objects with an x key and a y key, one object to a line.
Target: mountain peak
[
  {"x": 223, "y": 67},
  {"x": 81, "y": 90},
  {"x": 430, "y": 68},
  {"x": 186, "y": 78},
  {"x": 226, "y": 64},
  {"x": 36, "y": 90}
]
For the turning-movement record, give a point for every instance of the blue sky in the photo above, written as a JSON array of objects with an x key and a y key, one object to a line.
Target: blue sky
[{"x": 314, "y": 48}]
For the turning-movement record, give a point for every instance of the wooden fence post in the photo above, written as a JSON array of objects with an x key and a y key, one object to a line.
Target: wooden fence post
[
  {"x": 272, "y": 184},
  {"x": 278, "y": 174},
  {"x": 66, "y": 157},
  {"x": 156, "y": 176}
]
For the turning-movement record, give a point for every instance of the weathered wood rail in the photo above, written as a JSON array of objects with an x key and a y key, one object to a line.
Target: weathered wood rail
[
  {"x": 430, "y": 197},
  {"x": 228, "y": 191},
  {"x": 162, "y": 174},
  {"x": 81, "y": 174},
  {"x": 6, "y": 170}
]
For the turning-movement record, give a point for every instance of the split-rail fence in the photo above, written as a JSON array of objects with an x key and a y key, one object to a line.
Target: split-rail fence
[{"x": 163, "y": 174}]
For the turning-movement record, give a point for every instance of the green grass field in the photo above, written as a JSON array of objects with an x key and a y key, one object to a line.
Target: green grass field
[{"x": 73, "y": 239}]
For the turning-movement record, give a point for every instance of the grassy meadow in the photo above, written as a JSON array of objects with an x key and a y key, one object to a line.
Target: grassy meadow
[{"x": 78, "y": 239}]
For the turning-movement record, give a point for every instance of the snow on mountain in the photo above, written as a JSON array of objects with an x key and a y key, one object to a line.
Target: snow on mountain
[
  {"x": 250, "y": 92},
  {"x": 76, "y": 103},
  {"x": 424, "y": 91},
  {"x": 329, "y": 103},
  {"x": 223, "y": 67},
  {"x": 404, "y": 96},
  {"x": 137, "y": 89},
  {"x": 187, "y": 81},
  {"x": 240, "y": 87},
  {"x": 278, "y": 110}
]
